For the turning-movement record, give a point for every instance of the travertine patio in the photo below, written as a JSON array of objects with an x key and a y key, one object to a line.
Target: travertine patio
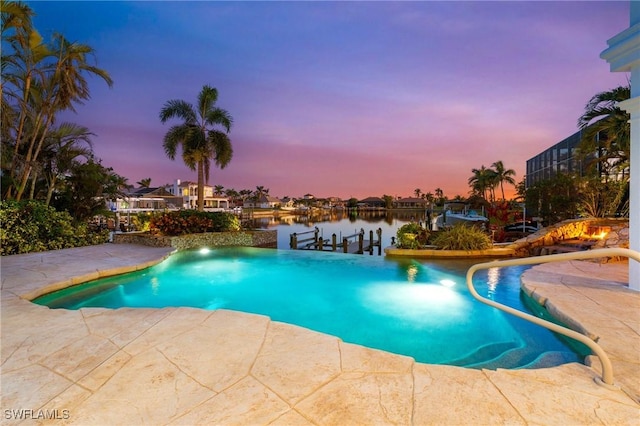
[{"x": 189, "y": 366}]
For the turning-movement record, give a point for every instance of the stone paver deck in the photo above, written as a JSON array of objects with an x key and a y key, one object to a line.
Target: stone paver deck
[{"x": 189, "y": 366}]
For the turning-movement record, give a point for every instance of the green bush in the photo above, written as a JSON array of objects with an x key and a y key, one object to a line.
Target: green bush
[
  {"x": 193, "y": 222},
  {"x": 30, "y": 226},
  {"x": 411, "y": 236},
  {"x": 142, "y": 221},
  {"x": 462, "y": 237}
]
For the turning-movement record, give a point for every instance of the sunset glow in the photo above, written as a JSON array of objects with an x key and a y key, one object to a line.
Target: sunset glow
[{"x": 346, "y": 99}]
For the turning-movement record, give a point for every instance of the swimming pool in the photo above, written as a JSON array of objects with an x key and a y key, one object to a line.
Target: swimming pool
[{"x": 415, "y": 308}]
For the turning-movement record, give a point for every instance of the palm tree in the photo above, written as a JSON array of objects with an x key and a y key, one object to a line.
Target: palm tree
[
  {"x": 503, "y": 175},
  {"x": 18, "y": 32},
  {"x": 483, "y": 181},
  {"x": 144, "y": 183},
  {"x": 417, "y": 192},
  {"x": 606, "y": 128},
  {"x": 259, "y": 192},
  {"x": 429, "y": 197},
  {"x": 440, "y": 198},
  {"x": 245, "y": 194},
  {"x": 54, "y": 82},
  {"x": 218, "y": 190},
  {"x": 388, "y": 201},
  {"x": 232, "y": 194},
  {"x": 198, "y": 136},
  {"x": 63, "y": 146}
]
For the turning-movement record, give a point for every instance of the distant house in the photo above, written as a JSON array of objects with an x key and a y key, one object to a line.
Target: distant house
[
  {"x": 411, "y": 203},
  {"x": 372, "y": 202},
  {"x": 188, "y": 192},
  {"x": 333, "y": 202},
  {"x": 264, "y": 202},
  {"x": 145, "y": 200},
  {"x": 287, "y": 203}
]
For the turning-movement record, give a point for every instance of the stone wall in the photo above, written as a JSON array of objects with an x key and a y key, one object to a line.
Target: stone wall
[
  {"x": 267, "y": 239},
  {"x": 618, "y": 236}
]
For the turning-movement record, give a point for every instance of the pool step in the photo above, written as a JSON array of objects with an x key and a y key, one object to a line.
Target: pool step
[
  {"x": 484, "y": 353},
  {"x": 510, "y": 356},
  {"x": 553, "y": 358},
  {"x": 511, "y": 359}
]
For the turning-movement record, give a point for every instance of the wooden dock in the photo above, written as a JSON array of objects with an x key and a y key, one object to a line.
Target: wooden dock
[{"x": 354, "y": 243}]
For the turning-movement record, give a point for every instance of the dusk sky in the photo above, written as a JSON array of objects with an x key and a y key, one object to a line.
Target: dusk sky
[{"x": 346, "y": 99}]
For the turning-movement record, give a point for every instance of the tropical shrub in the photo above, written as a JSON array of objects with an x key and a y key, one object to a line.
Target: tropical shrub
[
  {"x": 142, "y": 221},
  {"x": 462, "y": 237},
  {"x": 193, "y": 222},
  {"x": 411, "y": 236},
  {"x": 31, "y": 226}
]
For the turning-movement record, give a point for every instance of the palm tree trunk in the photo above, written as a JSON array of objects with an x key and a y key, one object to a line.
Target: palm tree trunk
[
  {"x": 52, "y": 185},
  {"x": 32, "y": 153},
  {"x": 200, "y": 186},
  {"x": 19, "y": 131},
  {"x": 32, "y": 190}
]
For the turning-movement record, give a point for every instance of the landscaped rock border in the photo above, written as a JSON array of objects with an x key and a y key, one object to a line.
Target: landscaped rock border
[
  {"x": 618, "y": 236},
  {"x": 531, "y": 245},
  {"x": 265, "y": 239}
]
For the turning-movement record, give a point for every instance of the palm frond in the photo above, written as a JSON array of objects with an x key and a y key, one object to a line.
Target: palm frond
[
  {"x": 219, "y": 116},
  {"x": 222, "y": 148},
  {"x": 207, "y": 98},
  {"x": 177, "y": 108},
  {"x": 176, "y": 136}
]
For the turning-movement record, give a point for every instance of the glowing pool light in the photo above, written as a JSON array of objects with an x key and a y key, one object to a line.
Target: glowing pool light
[
  {"x": 448, "y": 283},
  {"x": 204, "y": 250}
]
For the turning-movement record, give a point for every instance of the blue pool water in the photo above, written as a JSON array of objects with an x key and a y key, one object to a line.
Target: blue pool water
[{"x": 416, "y": 308}]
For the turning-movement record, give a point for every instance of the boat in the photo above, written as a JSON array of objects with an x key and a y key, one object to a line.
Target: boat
[{"x": 454, "y": 213}]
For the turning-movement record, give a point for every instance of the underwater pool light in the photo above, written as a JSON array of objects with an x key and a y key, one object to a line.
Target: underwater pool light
[
  {"x": 204, "y": 250},
  {"x": 448, "y": 283}
]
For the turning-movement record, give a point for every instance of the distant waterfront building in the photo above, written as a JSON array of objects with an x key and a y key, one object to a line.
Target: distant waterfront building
[
  {"x": 411, "y": 203},
  {"x": 189, "y": 193},
  {"x": 264, "y": 202},
  {"x": 372, "y": 202},
  {"x": 145, "y": 200}
]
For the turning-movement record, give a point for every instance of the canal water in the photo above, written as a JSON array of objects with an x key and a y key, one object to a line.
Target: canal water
[{"x": 342, "y": 223}]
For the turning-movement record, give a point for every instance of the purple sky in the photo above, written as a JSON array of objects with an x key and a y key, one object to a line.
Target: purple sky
[{"x": 347, "y": 99}]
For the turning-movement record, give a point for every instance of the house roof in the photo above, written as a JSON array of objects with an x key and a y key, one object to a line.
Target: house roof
[
  {"x": 268, "y": 199},
  {"x": 188, "y": 183},
  {"x": 372, "y": 200},
  {"x": 141, "y": 192}
]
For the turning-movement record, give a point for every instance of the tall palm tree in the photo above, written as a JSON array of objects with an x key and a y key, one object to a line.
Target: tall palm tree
[
  {"x": 55, "y": 82},
  {"x": 417, "y": 192},
  {"x": 503, "y": 175},
  {"x": 198, "y": 135},
  {"x": 17, "y": 31},
  {"x": 606, "y": 128},
  {"x": 218, "y": 190}
]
